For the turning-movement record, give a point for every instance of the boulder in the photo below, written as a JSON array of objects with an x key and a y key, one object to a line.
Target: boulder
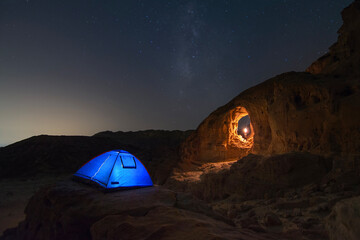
[{"x": 344, "y": 220}]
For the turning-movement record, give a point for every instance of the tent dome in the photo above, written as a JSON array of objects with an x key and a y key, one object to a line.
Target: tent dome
[{"x": 115, "y": 169}]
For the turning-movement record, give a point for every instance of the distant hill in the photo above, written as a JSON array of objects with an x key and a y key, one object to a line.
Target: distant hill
[{"x": 42, "y": 155}]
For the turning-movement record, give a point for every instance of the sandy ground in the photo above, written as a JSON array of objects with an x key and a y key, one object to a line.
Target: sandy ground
[{"x": 14, "y": 195}]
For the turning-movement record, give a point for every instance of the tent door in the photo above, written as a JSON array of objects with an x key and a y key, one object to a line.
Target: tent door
[{"x": 128, "y": 162}]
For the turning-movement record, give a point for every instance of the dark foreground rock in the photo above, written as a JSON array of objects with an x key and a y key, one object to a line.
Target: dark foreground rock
[
  {"x": 344, "y": 220},
  {"x": 295, "y": 194},
  {"x": 256, "y": 177},
  {"x": 70, "y": 210}
]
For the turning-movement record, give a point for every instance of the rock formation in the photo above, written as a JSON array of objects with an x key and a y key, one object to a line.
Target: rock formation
[
  {"x": 305, "y": 133},
  {"x": 316, "y": 111},
  {"x": 305, "y": 146},
  {"x": 344, "y": 56}
]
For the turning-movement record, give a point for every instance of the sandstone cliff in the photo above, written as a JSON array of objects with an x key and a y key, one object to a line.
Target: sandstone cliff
[
  {"x": 344, "y": 56},
  {"x": 316, "y": 111}
]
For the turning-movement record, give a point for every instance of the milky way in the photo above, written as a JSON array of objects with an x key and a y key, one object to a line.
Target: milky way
[{"x": 79, "y": 67}]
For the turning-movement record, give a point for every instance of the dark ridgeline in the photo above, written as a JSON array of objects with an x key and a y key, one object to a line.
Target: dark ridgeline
[{"x": 48, "y": 155}]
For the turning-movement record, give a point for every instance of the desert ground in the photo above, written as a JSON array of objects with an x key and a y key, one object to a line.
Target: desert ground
[{"x": 14, "y": 196}]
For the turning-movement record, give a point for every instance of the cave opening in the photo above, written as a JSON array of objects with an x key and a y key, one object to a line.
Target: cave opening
[
  {"x": 241, "y": 129},
  {"x": 244, "y": 128}
]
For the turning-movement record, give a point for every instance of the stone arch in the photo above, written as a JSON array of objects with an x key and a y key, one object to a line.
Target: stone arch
[{"x": 216, "y": 138}]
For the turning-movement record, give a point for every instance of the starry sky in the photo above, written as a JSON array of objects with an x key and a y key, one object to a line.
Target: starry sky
[{"x": 77, "y": 67}]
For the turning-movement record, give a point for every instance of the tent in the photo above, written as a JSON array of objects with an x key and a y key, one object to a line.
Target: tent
[{"x": 115, "y": 169}]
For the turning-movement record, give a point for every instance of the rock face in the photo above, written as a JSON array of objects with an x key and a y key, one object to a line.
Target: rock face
[
  {"x": 291, "y": 112},
  {"x": 302, "y": 112},
  {"x": 344, "y": 56}
]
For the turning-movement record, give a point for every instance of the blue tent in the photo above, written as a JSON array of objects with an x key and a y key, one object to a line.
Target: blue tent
[{"x": 115, "y": 169}]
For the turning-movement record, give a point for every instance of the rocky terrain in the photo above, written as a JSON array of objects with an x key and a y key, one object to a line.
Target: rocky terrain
[
  {"x": 35, "y": 162},
  {"x": 296, "y": 176},
  {"x": 69, "y": 210},
  {"x": 15, "y": 194}
]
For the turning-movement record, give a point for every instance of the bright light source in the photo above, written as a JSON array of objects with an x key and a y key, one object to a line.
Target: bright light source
[{"x": 245, "y": 130}]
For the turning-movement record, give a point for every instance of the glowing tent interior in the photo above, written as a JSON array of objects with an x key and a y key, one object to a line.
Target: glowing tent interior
[{"x": 115, "y": 169}]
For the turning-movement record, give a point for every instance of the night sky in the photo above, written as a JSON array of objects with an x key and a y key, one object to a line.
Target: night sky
[{"x": 76, "y": 67}]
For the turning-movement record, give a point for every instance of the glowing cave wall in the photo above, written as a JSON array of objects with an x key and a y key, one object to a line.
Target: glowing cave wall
[
  {"x": 236, "y": 140},
  {"x": 217, "y": 139}
]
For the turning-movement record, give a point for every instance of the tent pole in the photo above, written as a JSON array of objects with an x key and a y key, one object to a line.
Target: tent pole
[{"x": 112, "y": 170}]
